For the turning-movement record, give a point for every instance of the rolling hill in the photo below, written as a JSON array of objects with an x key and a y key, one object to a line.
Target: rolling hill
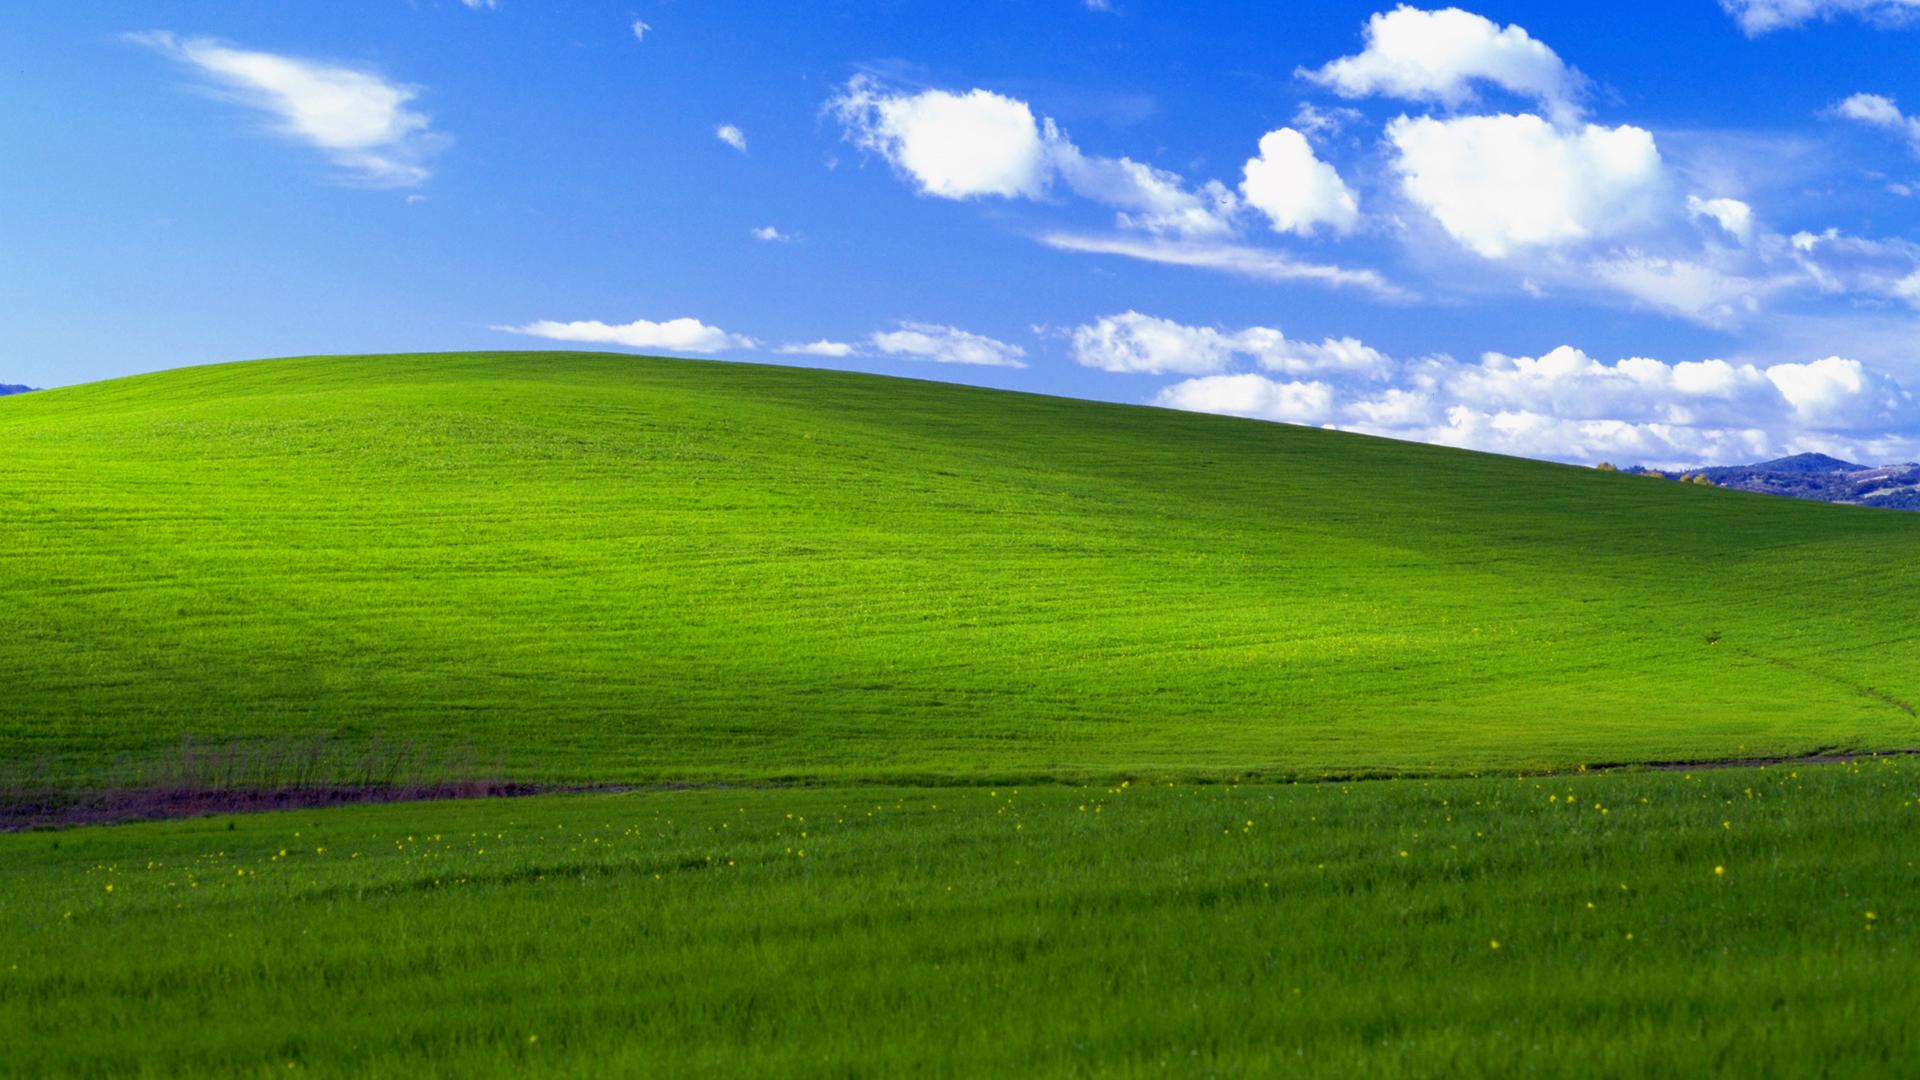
[{"x": 594, "y": 567}]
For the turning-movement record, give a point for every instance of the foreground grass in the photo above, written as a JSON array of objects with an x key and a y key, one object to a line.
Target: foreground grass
[
  {"x": 1748, "y": 922},
  {"x": 596, "y": 568}
]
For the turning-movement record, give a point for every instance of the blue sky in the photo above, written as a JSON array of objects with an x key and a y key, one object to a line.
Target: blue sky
[{"x": 1671, "y": 233}]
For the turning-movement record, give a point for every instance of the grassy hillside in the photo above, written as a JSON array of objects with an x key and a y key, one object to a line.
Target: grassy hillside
[{"x": 602, "y": 567}]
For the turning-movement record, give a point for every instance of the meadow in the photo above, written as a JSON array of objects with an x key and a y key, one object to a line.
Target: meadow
[
  {"x": 1752, "y": 922},
  {"x": 611, "y": 568},
  {"x": 967, "y": 733}
]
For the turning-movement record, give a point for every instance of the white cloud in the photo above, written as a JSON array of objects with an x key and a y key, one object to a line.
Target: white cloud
[
  {"x": 1252, "y": 395},
  {"x": 1142, "y": 343},
  {"x": 359, "y": 119},
  {"x": 947, "y": 345},
  {"x": 1260, "y": 263},
  {"x": 1874, "y": 110},
  {"x": 1442, "y": 55},
  {"x": 1505, "y": 182},
  {"x": 822, "y": 347},
  {"x": 771, "y": 234},
  {"x": 981, "y": 144},
  {"x": 1295, "y": 189},
  {"x": 1133, "y": 342},
  {"x": 732, "y": 136},
  {"x": 640, "y": 30},
  {"x": 954, "y": 146},
  {"x": 1759, "y": 16},
  {"x": 1837, "y": 394},
  {"x": 482, "y": 5},
  {"x": 679, "y": 335},
  {"x": 1734, "y": 217}
]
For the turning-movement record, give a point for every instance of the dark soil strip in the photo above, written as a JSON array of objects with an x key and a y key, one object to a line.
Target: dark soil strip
[
  {"x": 56, "y": 810},
  {"x": 1818, "y": 758}
]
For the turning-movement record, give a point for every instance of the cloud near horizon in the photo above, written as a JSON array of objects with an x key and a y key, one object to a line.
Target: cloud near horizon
[
  {"x": 1563, "y": 404},
  {"x": 680, "y": 335}
]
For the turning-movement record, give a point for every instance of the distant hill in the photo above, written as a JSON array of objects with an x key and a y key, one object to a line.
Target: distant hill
[
  {"x": 1807, "y": 463},
  {"x": 8, "y": 388},
  {"x": 1820, "y": 478}
]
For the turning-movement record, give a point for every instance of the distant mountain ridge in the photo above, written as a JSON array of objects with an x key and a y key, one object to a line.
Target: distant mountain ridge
[
  {"x": 8, "y": 388},
  {"x": 1818, "y": 477}
]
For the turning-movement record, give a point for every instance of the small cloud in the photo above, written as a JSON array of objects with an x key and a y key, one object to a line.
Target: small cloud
[
  {"x": 680, "y": 335},
  {"x": 359, "y": 119},
  {"x": 732, "y": 136},
  {"x": 1444, "y": 55},
  {"x": 416, "y": 197},
  {"x": 1734, "y": 217},
  {"x": 823, "y": 347},
  {"x": 1877, "y": 111},
  {"x": 947, "y": 345},
  {"x": 640, "y": 30},
  {"x": 482, "y": 5},
  {"x": 772, "y": 235}
]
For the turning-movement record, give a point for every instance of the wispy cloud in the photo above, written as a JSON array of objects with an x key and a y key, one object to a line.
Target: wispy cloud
[
  {"x": 732, "y": 136},
  {"x": 1252, "y": 262},
  {"x": 361, "y": 120},
  {"x": 1757, "y": 17}
]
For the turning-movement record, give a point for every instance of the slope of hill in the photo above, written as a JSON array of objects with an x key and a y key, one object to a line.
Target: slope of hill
[{"x": 608, "y": 567}]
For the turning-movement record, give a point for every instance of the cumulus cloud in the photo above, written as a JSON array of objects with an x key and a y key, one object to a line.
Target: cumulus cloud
[
  {"x": 953, "y": 146},
  {"x": 1260, "y": 263},
  {"x": 823, "y": 347},
  {"x": 1880, "y": 112},
  {"x": 1251, "y": 395},
  {"x": 1760, "y": 16},
  {"x": 1506, "y": 182},
  {"x": 1133, "y": 342},
  {"x": 771, "y": 234},
  {"x": 639, "y": 30},
  {"x": 1295, "y": 189},
  {"x": 1445, "y": 55},
  {"x": 359, "y": 119},
  {"x": 732, "y": 136},
  {"x": 986, "y": 145},
  {"x": 678, "y": 335},
  {"x": 947, "y": 345}
]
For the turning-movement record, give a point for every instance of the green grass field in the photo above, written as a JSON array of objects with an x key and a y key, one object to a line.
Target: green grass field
[
  {"x": 615, "y": 568},
  {"x": 963, "y": 715},
  {"x": 1304, "y": 930}
]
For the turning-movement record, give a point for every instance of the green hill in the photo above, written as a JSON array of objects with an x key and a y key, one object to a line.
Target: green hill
[{"x": 607, "y": 567}]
